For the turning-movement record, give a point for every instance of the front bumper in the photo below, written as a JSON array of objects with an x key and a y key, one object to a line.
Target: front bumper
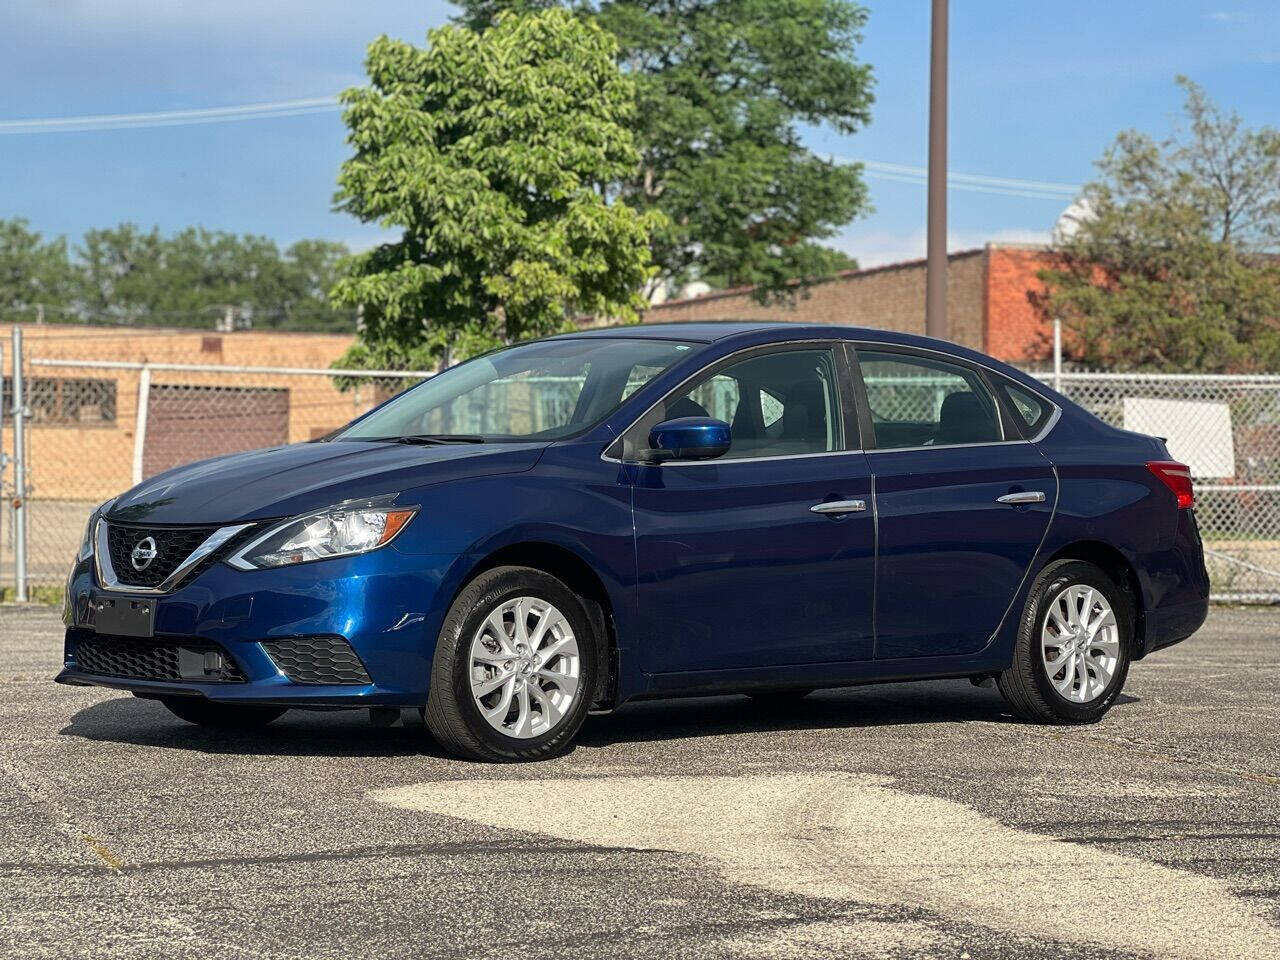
[{"x": 382, "y": 604}]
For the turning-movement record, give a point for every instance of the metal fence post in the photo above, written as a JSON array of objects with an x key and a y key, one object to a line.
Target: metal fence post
[
  {"x": 19, "y": 473},
  {"x": 1057, "y": 354},
  {"x": 140, "y": 423},
  {"x": 4, "y": 466}
]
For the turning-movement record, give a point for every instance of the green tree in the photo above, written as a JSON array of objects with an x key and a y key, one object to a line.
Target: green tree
[
  {"x": 35, "y": 274},
  {"x": 1171, "y": 263},
  {"x": 189, "y": 279},
  {"x": 724, "y": 88},
  {"x": 490, "y": 151}
]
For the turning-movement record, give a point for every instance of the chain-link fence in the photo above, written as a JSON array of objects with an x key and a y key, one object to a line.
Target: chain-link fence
[
  {"x": 1227, "y": 429},
  {"x": 97, "y": 426}
]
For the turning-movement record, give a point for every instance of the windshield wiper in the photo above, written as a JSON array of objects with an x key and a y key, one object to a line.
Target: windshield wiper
[{"x": 430, "y": 438}]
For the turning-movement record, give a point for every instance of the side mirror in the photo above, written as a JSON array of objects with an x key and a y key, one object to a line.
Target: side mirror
[{"x": 688, "y": 438}]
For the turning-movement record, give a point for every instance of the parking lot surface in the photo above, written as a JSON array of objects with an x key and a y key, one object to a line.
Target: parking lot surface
[{"x": 914, "y": 820}]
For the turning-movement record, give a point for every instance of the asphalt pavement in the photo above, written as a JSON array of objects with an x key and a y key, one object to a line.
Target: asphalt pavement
[{"x": 913, "y": 820}]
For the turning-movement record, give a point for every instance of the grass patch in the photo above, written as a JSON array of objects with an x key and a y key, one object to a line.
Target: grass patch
[{"x": 35, "y": 594}]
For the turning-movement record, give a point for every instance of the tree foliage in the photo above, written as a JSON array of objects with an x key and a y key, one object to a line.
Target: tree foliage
[
  {"x": 33, "y": 271},
  {"x": 189, "y": 279},
  {"x": 491, "y": 151},
  {"x": 724, "y": 88},
  {"x": 1172, "y": 263}
]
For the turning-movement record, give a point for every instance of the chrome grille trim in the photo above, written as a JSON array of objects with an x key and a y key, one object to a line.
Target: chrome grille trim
[{"x": 107, "y": 575}]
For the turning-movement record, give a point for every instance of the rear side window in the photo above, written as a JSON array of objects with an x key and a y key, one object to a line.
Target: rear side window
[
  {"x": 922, "y": 402},
  {"x": 1032, "y": 410}
]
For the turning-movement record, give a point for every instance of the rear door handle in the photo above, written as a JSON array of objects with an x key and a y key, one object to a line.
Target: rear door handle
[
  {"x": 839, "y": 506},
  {"x": 1022, "y": 496}
]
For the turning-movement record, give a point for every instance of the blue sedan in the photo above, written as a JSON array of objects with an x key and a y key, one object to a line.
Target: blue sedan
[{"x": 651, "y": 511}]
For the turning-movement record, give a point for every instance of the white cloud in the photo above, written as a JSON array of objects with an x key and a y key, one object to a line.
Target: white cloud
[{"x": 1227, "y": 16}]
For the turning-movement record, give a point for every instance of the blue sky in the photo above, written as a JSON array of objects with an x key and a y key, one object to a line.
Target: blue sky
[{"x": 1038, "y": 91}]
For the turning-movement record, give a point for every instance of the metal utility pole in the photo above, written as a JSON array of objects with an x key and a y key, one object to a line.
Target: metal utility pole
[
  {"x": 935, "y": 306},
  {"x": 19, "y": 473}
]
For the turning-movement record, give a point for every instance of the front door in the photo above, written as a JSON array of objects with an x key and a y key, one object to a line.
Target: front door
[
  {"x": 736, "y": 567},
  {"x": 961, "y": 509}
]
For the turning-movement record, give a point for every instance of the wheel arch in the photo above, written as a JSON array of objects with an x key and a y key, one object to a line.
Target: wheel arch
[
  {"x": 577, "y": 574},
  {"x": 1121, "y": 571}
]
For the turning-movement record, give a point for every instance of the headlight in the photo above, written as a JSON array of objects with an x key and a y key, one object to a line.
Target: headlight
[
  {"x": 339, "y": 531},
  {"x": 86, "y": 540}
]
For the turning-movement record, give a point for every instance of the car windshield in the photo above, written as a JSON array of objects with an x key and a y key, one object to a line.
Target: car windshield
[{"x": 545, "y": 390}]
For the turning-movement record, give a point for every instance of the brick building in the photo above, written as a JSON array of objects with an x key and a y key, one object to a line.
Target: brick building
[
  {"x": 81, "y": 435},
  {"x": 988, "y": 302}
]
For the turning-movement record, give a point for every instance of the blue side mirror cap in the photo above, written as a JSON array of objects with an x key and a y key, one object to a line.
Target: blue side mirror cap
[{"x": 689, "y": 438}]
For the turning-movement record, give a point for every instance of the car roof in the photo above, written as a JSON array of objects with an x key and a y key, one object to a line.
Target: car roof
[
  {"x": 759, "y": 332},
  {"x": 702, "y": 331},
  {"x": 710, "y": 331}
]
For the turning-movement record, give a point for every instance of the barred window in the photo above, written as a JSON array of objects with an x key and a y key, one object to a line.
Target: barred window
[{"x": 66, "y": 401}]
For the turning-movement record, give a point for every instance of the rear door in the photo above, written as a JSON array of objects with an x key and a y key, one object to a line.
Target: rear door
[
  {"x": 736, "y": 567},
  {"x": 963, "y": 501}
]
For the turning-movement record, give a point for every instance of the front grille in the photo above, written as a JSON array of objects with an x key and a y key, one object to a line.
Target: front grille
[
  {"x": 317, "y": 660},
  {"x": 172, "y": 546},
  {"x": 135, "y": 658}
]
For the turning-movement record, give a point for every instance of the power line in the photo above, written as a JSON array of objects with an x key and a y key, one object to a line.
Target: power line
[
  {"x": 172, "y": 118},
  {"x": 876, "y": 169}
]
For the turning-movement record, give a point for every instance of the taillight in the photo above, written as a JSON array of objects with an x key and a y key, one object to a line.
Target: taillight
[{"x": 1177, "y": 477}]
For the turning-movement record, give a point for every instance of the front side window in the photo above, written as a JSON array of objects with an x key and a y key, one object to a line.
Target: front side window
[
  {"x": 781, "y": 403},
  {"x": 545, "y": 390},
  {"x": 919, "y": 401}
]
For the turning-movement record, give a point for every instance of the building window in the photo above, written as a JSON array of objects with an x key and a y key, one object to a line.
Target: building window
[{"x": 66, "y": 401}]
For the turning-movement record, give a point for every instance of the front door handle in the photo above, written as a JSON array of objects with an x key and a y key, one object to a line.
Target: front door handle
[
  {"x": 1022, "y": 496},
  {"x": 839, "y": 506}
]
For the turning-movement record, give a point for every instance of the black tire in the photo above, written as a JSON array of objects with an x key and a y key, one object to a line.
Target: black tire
[
  {"x": 225, "y": 716},
  {"x": 1026, "y": 685},
  {"x": 452, "y": 714}
]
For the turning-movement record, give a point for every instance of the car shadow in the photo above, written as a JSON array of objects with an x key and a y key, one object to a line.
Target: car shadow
[
  {"x": 299, "y": 733},
  {"x": 878, "y": 705},
  {"x": 348, "y": 733}
]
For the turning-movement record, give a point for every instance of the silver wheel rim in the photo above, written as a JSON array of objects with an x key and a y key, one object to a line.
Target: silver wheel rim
[
  {"x": 1080, "y": 643},
  {"x": 524, "y": 667}
]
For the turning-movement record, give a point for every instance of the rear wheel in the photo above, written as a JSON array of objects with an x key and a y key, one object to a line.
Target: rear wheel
[
  {"x": 227, "y": 716},
  {"x": 514, "y": 668},
  {"x": 1072, "y": 652}
]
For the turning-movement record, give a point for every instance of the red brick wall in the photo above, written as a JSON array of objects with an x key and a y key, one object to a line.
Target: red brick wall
[
  {"x": 1016, "y": 330},
  {"x": 989, "y": 303},
  {"x": 886, "y": 298}
]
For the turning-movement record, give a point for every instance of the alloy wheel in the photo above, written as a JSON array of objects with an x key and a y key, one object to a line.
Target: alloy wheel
[
  {"x": 1080, "y": 643},
  {"x": 524, "y": 667}
]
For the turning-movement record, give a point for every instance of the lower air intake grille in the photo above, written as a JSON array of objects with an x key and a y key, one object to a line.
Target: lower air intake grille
[
  {"x": 317, "y": 660},
  {"x": 158, "y": 659}
]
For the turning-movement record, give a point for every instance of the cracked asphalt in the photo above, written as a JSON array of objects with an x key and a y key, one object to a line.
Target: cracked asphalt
[{"x": 913, "y": 820}]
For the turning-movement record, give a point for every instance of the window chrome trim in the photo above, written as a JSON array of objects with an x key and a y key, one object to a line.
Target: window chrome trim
[
  {"x": 830, "y": 342},
  {"x": 947, "y": 446},
  {"x": 1049, "y": 424},
  {"x": 722, "y": 461},
  {"x": 108, "y": 580}
]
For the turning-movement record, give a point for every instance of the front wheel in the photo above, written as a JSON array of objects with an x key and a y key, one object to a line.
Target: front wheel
[
  {"x": 226, "y": 716},
  {"x": 1072, "y": 653},
  {"x": 514, "y": 668}
]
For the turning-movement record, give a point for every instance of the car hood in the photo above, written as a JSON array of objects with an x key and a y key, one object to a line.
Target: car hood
[{"x": 283, "y": 481}]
